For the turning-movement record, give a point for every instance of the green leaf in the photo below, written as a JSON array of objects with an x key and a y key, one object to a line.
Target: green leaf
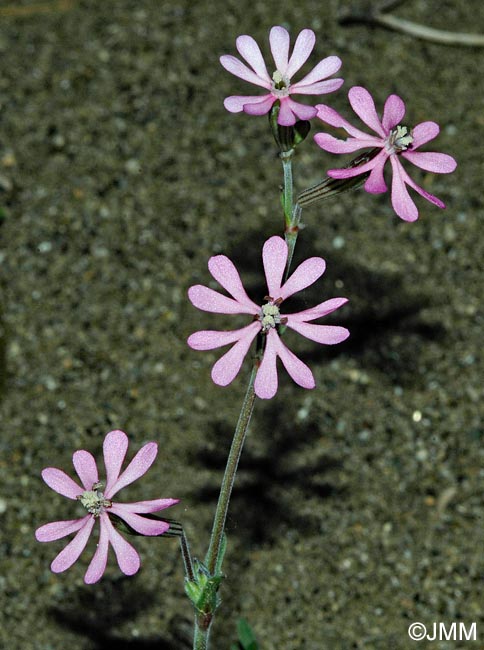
[
  {"x": 247, "y": 640},
  {"x": 203, "y": 589}
]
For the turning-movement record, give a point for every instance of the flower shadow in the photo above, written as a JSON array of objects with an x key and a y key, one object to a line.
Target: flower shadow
[
  {"x": 285, "y": 460},
  {"x": 97, "y": 615},
  {"x": 388, "y": 321}
]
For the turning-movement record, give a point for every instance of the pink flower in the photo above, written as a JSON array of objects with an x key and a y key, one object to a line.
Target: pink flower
[
  {"x": 266, "y": 318},
  {"x": 394, "y": 140},
  {"x": 279, "y": 85},
  {"x": 97, "y": 500}
]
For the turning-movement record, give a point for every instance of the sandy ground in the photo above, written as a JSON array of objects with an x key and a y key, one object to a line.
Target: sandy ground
[{"x": 358, "y": 508}]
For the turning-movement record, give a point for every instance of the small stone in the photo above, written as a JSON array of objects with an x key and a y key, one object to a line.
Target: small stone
[
  {"x": 422, "y": 455},
  {"x": 416, "y": 416},
  {"x": 132, "y": 166},
  {"x": 45, "y": 247}
]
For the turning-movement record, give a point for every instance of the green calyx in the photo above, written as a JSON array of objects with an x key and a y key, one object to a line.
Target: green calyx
[{"x": 287, "y": 137}]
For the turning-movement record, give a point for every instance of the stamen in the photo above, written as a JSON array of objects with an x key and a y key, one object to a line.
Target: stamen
[
  {"x": 400, "y": 139},
  {"x": 270, "y": 316},
  {"x": 94, "y": 500}
]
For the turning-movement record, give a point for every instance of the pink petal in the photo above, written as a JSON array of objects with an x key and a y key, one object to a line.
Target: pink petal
[
  {"x": 209, "y": 300},
  {"x": 323, "y": 309},
  {"x": 375, "y": 183},
  {"x": 279, "y": 42},
  {"x": 297, "y": 369},
  {"x": 224, "y": 271},
  {"x": 265, "y": 384},
  {"x": 140, "y": 464},
  {"x": 228, "y": 366},
  {"x": 286, "y": 115},
  {"x": 126, "y": 555},
  {"x": 239, "y": 69},
  {"x": 333, "y": 118},
  {"x": 362, "y": 103},
  {"x": 333, "y": 145},
  {"x": 58, "y": 481},
  {"x": 430, "y": 197},
  {"x": 324, "y": 69},
  {"x": 304, "y": 276},
  {"x": 239, "y": 103},
  {"x": 423, "y": 133},
  {"x": 260, "y": 107},
  {"x": 439, "y": 163},
  {"x": 393, "y": 112},
  {"x": 141, "y": 524},
  {"x": 212, "y": 339},
  {"x": 274, "y": 257},
  {"x": 301, "y": 111},
  {"x": 86, "y": 468},
  {"x": 98, "y": 563},
  {"x": 249, "y": 49},
  {"x": 114, "y": 448},
  {"x": 59, "y": 529},
  {"x": 302, "y": 49},
  {"x": 72, "y": 551},
  {"x": 349, "y": 172},
  {"x": 145, "y": 507},
  {"x": 319, "y": 88},
  {"x": 401, "y": 201},
  {"x": 326, "y": 334}
]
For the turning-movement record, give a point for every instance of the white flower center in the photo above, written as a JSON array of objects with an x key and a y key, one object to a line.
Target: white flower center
[
  {"x": 94, "y": 500},
  {"x": 280, "y": 84},
  {"x": 400, "y": 139},
  {"x": 270, "y": 316}
]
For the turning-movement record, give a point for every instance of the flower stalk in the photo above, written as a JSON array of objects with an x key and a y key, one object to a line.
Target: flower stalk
[{"x": 287, "y": 193}]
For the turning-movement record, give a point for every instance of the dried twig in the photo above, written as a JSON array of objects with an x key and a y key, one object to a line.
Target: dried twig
[{"x": 444, "y": 37}]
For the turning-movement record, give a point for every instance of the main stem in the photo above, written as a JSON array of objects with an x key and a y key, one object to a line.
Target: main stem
[
  {"x": 212, "y": 558},
  {"x": 200, "y": 638}
]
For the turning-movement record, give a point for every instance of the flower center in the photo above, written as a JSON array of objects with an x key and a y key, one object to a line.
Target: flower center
[
  {"x": 270, "y": 316},
  {"x": 280, "y": 84},
  {"x": 400, "y": 139},
  {"x": 94, "y": 500}
]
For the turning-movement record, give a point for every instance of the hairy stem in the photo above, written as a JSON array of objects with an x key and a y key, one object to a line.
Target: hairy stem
[
  {"x": 229, "y": 475},
  {"x": 200, "y": 638},
  {"x": 287, "y": 199},
  {"x": 291, "y": 235}
]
